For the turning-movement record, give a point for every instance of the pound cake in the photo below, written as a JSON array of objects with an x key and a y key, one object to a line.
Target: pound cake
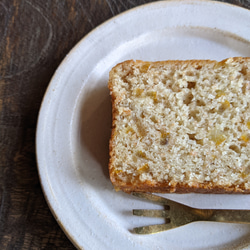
[{"x": 181, "y": 126}]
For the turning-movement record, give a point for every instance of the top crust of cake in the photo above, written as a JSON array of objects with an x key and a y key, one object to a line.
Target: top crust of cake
[{"x": 181, "y": 126}]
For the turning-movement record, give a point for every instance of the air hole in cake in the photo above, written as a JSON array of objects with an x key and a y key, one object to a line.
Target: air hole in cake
[
  {"x": 239, "y": 128},
  {"x": 212, "y": 111},
  {"x": 153, "y": 119},
  {"x": 192, "y": 137},
  {"x": 164, "y": 138},
  {"x": 199, "y": 141},
  {"x": 194, "y": 114},
  {"x": 191, "y": 85},
  {"x": 180, "y": 122},
  {"x": 188, "y": 98},
  {"x": 235, "y": 149},
  {"x": 244, "y": 70},
  {"x": 200, "y": 103}
]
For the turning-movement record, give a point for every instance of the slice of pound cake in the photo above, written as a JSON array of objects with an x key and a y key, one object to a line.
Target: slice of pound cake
[{"x": 181, "y": 126}]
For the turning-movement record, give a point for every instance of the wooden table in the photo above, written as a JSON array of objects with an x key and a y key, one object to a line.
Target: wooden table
[{"x": 35, "y": 35}]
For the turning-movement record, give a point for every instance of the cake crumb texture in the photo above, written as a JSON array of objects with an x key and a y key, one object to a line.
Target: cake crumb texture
[{"x": 181, "y": 126}]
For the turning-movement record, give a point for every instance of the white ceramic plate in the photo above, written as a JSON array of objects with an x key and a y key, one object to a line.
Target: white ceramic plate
[{"x": 75, "y": 120}]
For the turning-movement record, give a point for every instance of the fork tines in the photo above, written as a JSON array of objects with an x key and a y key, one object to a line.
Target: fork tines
[
  {"x": 151, "y": 213},
  {"x": 177, "y": 214}
]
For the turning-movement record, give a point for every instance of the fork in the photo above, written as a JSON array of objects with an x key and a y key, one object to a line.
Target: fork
[{"x": 177, "y": 214}]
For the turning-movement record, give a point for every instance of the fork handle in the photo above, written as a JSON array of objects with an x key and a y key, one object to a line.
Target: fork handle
[{"x": 231, "y": 216}]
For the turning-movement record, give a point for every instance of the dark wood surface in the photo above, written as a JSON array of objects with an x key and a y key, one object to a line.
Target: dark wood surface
[{"x": 35, "y": 35}]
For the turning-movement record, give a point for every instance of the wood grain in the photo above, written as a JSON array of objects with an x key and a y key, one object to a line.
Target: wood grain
[{"x": 34, "y": 38}]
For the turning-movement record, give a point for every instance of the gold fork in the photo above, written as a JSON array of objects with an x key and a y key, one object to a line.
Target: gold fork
[{"x": 177, "y": 214}]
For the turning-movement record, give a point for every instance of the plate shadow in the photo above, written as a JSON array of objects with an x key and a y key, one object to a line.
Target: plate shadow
[{"x": 95, "y": 125}]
